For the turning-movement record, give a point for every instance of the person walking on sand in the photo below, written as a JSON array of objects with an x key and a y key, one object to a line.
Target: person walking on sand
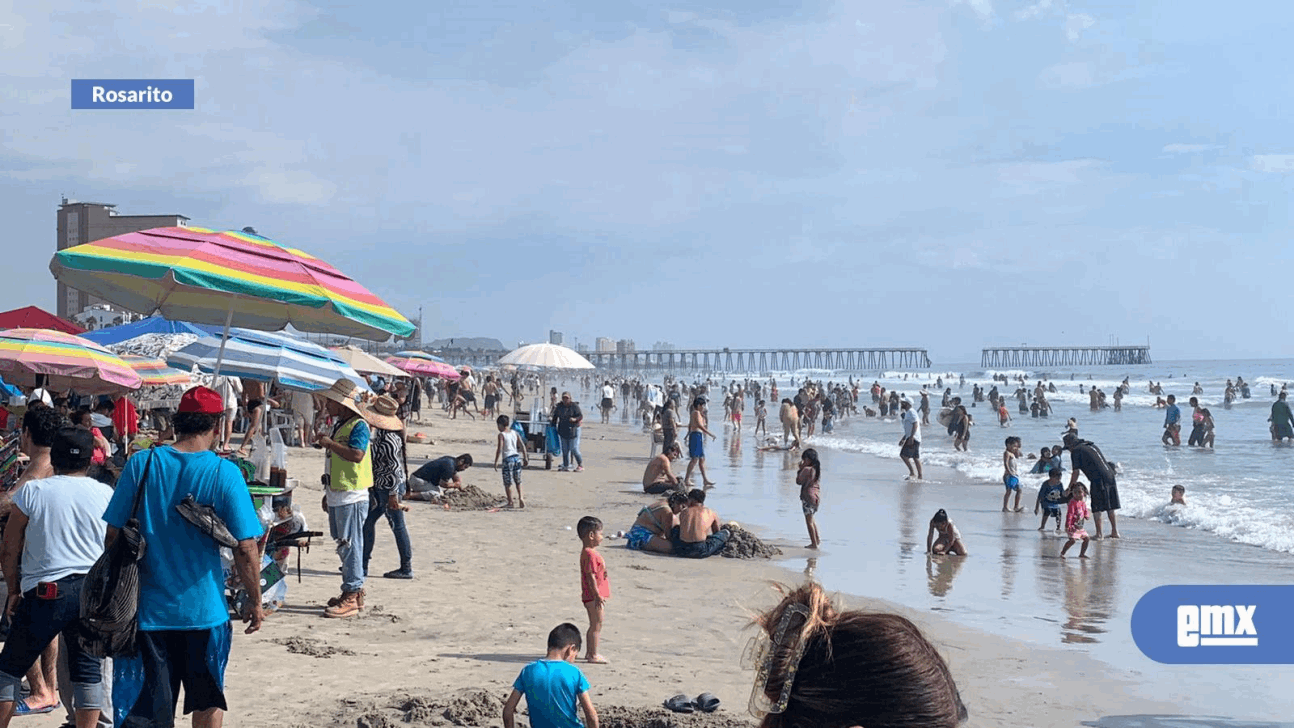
[
  {"x": 910, "y": 443},
  {"x": 515, "y": 457},
  {"x": 567, "y": 418},
  {"x": 349, "y": 470},
  {"x": 1086, "y": 459},
  {"x": 810, "y": 492},
  {"x": 594, "y": 586},
  {"x": 696, "y": 431},
  {"x": 390, "y": 483}
]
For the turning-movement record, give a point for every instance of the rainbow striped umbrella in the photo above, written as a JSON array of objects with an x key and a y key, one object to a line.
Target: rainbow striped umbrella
[
  {"x": 422, "y": 364},
  {"x": 226, "y": 279},
  {"x": 154, "y": 372},
  {"x": 65, "y": 361}
]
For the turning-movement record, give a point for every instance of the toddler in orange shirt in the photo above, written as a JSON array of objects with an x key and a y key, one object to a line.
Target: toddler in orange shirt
[{"x": 595, "y": 589}]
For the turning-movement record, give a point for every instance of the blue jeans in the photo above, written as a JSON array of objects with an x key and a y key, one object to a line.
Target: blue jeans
[
  {"x": 36, "y": 623},
  {"x": 346, "y": 524},
  {"x": 377, "y": 500},
  {"x": 571, "y": 446}
]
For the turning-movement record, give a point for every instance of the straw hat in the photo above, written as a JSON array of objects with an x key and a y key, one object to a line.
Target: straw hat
[
  {"x": 343, "y": 392},
  {"x": 380, "y": 413}
]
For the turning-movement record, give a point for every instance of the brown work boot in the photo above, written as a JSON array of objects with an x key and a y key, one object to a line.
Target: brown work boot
[
  {"x": 337, "y": 600},
  {"x": 349, "y": 606}
]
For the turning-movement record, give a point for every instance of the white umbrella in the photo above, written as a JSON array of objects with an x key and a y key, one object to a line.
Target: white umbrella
[{"x": 546, "y": 356}]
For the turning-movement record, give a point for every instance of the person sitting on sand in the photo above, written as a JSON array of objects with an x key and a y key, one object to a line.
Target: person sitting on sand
[
  {"x": 818, "y": 666},
  {"x": 659, "y": 476},
  {"x": 429, "y": 481},
  {"x": 950, "y": 539},
  {"x": 698, "y": 533},
  {"x": 651, "y": 532}
]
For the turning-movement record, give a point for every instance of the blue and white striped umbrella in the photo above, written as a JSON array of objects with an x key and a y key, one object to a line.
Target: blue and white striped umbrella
[{"x": 268, "y": 357}]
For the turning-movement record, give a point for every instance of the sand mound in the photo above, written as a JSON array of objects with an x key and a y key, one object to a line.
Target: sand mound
[
  {"x": 311, "y": 647},
  {"x": 745, "y": 545},
  {"x": 472, "y": 498},
  {"x": 480, "y": 708}
]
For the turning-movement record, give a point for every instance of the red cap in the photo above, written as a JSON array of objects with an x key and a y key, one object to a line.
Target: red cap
[{"x": 202, "y": 400}]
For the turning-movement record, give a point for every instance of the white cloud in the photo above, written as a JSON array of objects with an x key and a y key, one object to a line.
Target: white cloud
[
  {"x": 982, "y": 8},
  {"x": 1188, "y": 148},
  {"x": 1034, "y": 11},
  {"x": 1075, "y": 24},
  {"x": 1273, "y": 163}
]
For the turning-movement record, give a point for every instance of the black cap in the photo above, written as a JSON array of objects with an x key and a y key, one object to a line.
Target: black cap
[{"x": 72, "y": 448}]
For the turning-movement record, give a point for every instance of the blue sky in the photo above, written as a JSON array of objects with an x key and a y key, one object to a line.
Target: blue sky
[{"x": 940, "y": 174}]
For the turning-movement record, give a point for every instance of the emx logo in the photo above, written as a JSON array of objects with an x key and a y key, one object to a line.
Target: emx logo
[
  {"x": 1218, "y": 625},
  {"x": 1213, "y": 625}
]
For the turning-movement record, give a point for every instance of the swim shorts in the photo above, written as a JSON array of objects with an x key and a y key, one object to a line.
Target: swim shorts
[
  {"x": 1011, "y": 482},
  {"x": 607, "y": 403},
  {"x": 736, "y": 417},
  {"x": 147, "y": 684},
  {"x": 709, "y": 547},
  {"x": 511, "y": 471},
  {"x": 637, "y": 537},
  {"x": 808, "y": 507},
  {"x": 696, "y": 444},
  {"x": 911, "y": 450}
]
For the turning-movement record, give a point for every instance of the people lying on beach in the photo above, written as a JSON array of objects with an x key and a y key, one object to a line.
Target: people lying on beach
[
  {"x": 430, "y": 481},
  {"x": 1075, "y": 519},
  {"x": 659, "y": 476},
  {"x": 810, "y": 493},
  {"x": 651, "y": 531},
  {"x": 950, "y": 539},
  {"x": 818, "y": 666},
  {"x": 1178, "y": 496},
  {"x": 1051, "y": 496},
  {"x": 594, "y": 587},
  {"x": 1011, "y": 474},
  {"x": 553, "y": 686},
  {"x": 698, "y": 533}
]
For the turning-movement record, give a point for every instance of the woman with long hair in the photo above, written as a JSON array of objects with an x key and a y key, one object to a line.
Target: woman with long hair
[{"x": 810, "y": 496}]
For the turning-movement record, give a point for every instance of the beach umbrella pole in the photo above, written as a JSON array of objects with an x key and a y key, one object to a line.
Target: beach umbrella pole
[{"x": 229, "y": 319}]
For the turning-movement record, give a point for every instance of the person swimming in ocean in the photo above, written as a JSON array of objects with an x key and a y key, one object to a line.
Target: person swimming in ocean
[{"x": 1178, "y": 496}]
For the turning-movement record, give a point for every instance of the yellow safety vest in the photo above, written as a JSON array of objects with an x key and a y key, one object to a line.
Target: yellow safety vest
[{"x": 344, "y": 475}]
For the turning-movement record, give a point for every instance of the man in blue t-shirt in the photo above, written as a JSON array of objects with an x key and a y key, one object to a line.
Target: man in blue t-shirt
[
  {"x": 553, "y": 686},
  {"x": 1172, "y": 422},
  {"x": 184, "y": 628}
]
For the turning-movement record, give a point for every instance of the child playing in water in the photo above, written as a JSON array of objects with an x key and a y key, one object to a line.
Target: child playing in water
[
  {"x": 553, "y": 686},
  {"x": 595, "y": 587},
  {"x": 1003, "y": 416},
  {"x": 1178, "y": 496},
  {"x": 808, "y": 477},
  {"x": 1076, "y": 519},
  {"x": 950, "y": 539},
  {"x": 1011, "y": 473},
  {"x": 1051, "y": 494}
]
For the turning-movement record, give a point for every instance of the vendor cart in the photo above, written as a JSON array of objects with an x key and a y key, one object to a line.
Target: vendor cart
[{"x": 538, "y": 438}]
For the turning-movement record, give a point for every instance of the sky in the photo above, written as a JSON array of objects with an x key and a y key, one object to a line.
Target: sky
[{"x": 740, "y": 173}]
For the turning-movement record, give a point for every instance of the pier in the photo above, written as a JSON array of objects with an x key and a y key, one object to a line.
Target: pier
[
  {"x": 1061, "y": 356},
  {"x": 760, "y": 361}
]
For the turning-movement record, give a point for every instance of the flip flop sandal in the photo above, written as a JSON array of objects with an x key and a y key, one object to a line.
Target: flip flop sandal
[
  {"x": 707, "y": 702},
  {"x": 680, "y": 704},
  {"x": 21, "y": 708}
]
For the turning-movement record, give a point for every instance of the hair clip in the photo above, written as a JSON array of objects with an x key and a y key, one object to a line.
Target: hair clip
[{"x": 759, "y": 655}]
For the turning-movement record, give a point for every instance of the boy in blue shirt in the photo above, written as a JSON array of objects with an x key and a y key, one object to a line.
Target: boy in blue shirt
[{"x": 554, "y": 685}]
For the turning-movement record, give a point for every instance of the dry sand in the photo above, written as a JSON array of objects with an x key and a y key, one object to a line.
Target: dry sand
[{"x": 444, "y": 648}]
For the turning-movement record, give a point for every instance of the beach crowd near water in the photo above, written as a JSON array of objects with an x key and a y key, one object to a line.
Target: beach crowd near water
[{"x": 364, "y": 443}]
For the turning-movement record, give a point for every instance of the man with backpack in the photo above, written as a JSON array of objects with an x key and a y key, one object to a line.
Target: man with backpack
[
  {"x": 1086, "y": 459},
  {"x": 184, "y": 632}
]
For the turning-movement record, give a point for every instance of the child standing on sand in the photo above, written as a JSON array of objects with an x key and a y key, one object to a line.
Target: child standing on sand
[
  {"x": 810, "y": 494},
  {"x": 595, "y": 589},
  {"x": 761, "y": 413},
  {"x": 1011, "y": 473},
  {"x": 514, "y": 454},
  {"x": 1076, "y": 519},
  {"x": 553, "y": 686},
  {"x": 1050, "y": 497},
  {"x": 950, "y": 539}
]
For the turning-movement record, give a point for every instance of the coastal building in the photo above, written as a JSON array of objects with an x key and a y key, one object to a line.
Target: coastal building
[
  {"x": 86, "y": 222},
  {"x": 662, "y": 346},
  {"x": 624, "y": 346},
  {"x": 99, "y": 316},
  {"x": 604, "y": 344},
  {"x": 554, "y": 337}
]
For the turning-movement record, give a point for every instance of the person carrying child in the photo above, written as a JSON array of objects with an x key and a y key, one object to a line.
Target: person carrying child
[
  {"x": 513, "y": 450},
  {"x": 950, "y": 539},
  {"x": 595, "y": 588},
  {"x": 1051, "y": 494},
  {"x": 1011, "y": 474},
  {"x": 553, "y": 686},
  {"x": 1076, "y": 519}
]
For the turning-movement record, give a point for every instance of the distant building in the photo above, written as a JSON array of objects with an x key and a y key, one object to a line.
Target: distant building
[
  {"x": 100, "y": 316},
  {"x": 662, "y": 346},
  {"x": 604, "y": 345},
  {"x": 86, "y": 222},
  {"x": 554, "y": 337},
  {"x": 582, "y": 348},
  {"x": 624, "y": 346}
]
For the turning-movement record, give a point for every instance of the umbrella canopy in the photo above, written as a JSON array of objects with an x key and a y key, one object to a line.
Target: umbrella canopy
[
  {"x": 418, "y": 354},
  {"x": 31, "y": 317},
  {"x": 364, "y": 362},
  {"x": 423, "y": 367},
  {"x": 154, "y": 372},
  {"x": 226, "y": 278},
  {"x": 155, "y": 346},
  {"x": 267, "y": 357},
  {"x": 151, "y": 325},
  {"x": 66, "y": 362},
  {"x": 546, "y": 356}
]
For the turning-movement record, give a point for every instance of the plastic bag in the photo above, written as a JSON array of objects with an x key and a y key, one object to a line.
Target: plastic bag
[{"x": 278, "y": 450}]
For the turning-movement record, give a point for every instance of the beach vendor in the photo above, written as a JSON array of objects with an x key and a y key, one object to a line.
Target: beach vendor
[
  {"x": 698, "y": 534},
  {"x": 347, "y": 478},
  {"x": 651, "y": 531}
]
